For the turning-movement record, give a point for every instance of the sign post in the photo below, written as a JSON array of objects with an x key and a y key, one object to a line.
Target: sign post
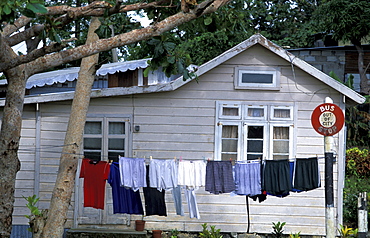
[{"x": 328, "y": 119}]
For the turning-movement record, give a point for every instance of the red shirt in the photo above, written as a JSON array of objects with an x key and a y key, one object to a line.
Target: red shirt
[{"x": 95, "y": 176}]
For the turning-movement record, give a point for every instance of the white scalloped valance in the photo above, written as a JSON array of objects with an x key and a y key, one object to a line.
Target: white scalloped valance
[{"x": 70, "y": 74}]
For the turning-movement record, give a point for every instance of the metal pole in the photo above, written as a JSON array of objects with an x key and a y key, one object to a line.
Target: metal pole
[
  {"x": 362, "y": 215},
  {"x": 329, "y": 190}
]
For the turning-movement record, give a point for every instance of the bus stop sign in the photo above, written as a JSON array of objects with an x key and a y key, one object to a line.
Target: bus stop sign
[{"x": 327, "y": 119}]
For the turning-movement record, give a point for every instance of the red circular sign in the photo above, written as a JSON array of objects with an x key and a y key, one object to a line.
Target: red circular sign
[{"x": 327, "y": 119}]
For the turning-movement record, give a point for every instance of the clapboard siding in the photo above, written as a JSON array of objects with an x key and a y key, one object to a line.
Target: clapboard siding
[
  {"x": 25, "y": 179},
  {"x": 181, "y": 123},
  {"x": 297, "y": 209}
]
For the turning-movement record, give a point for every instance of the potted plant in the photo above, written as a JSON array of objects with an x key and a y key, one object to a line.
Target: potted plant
[{"x": 139, "y": 224}]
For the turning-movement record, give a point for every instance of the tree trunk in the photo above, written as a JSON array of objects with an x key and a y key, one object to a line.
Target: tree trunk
[
  {"x": 364, "y": 82},
  {"x": 64, "y": 185},
  {"x": 9, "y": 143}
]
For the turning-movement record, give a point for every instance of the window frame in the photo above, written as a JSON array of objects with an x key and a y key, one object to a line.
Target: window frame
[
  {"x": 105, "y": 136},
  {"x": 272, "y": 110},
  {"x": 218, "y": 146},
  {"x": 274, "y": 71},
  {"x": 246, "y": 117},
  {"x": 271, "y": 138},
  {"x": 268, "y": 121},
  {"x": 245, "y": 138},
  {"x": 229, "y": 105}
]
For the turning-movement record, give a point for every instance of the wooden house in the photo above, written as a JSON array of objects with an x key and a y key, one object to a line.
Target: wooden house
[{"x": 171, "y": 117}]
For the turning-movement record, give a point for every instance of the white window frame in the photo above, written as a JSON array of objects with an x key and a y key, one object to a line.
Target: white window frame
[
  {"x": 268, "y": 121},
  {"x": 274, "y": 71},
  {"x": 273, "y": 107},
  {"x": 271, "y": 139},
  {"x": 245, "y": 137},
  {"x": 221, "y": 107},
  {"x": 218, "y": 134},
  {"x": 264, "y": 107},
  {"x": 105, "y": 119}
]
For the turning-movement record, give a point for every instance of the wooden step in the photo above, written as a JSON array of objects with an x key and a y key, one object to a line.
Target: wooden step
[{"x": 104, "y": 233}]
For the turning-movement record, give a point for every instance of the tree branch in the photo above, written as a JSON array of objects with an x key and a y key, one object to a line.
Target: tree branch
[
  {"x": 19, "y": 23},
  {"x": 15, "y": 39},
  {"x": 52, "y": 60}
]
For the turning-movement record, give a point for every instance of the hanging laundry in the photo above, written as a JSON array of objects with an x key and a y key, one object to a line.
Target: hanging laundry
[
  {"x": 163, "y": 174},
  {"x": 192, "y": 203},
  {"x": 276, "y": 177},
  {"x": 125, "y": 200},
  {"x": 192, "y": 173},
  {"x": 248, "y": 178},
  {"x": 154, "y": 199},
  {"x": 95, "y": 175},
  {"x": 132, "y": 172},
  {"x": 219, "y": 177},
  {"x": 176, "y": 194},
  {"x": 292, "y": 168},
  {"x": 306, "y": 174}
]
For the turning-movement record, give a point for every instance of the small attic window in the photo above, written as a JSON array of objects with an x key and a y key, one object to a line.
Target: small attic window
[{"x": 267, "y": 78}]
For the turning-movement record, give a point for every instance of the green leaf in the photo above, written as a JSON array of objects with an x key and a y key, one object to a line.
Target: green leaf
[
  {"x": 37, "y": 8},
  {"x": 41, "y": 8},
  {"x": 28, "y": 13},
  {"x": 7, "y": 10},
  {"x": 171, "y": 59},
  {"x": 207, "y": 21},
  {"x": 54, "y": 36},
  {"x": 146, "y": 72},
  {"x": 180, "y": 66},
  {"x": 169, "y": 46}
]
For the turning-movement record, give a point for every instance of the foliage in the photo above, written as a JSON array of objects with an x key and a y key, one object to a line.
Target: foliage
[
  {"x": 346, "y": 232},
  {"x": 347, "y": 20},
  {"x": 167, "y": 58},
  {"x": 295, "y": 235},
  {"x": 31, "y": 205},
  {"x": 34, "y": 210},
  {"x": 357, "y": 181},
  {"x": 358, "y": 163},
  {"x": 357, "y": 118},
  {"x": 348, "y": 82},
  {"x": 11, "y": 9},
  {"x": 174, "y": 233},
  {"x": 358, "y": 125},
  {"x": 212, "y": 233},
  {"x": 284, "y": 22},
  {"x": 278, "y": 229}
]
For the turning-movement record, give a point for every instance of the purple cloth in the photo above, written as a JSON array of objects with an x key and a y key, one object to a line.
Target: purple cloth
[{"x": 219, "y": 177}]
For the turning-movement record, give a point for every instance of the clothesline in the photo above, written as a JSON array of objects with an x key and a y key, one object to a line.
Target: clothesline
[{"x": 147, "y": 160}]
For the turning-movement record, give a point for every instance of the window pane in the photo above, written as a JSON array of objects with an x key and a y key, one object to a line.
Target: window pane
[
  {"x": 255, "y": 132},
  {"x": 280, "y": 157},
  {"x": 256, "y": 112},
  {"x": 254, "y": 146},
  {"x": 116, "y": 128},
  {"x": 92, "y": 143},
  {"x": 282, "y": 113},
  {"x": 230, "y": 132},
  {"x": 230, "y": 111},
  {"x": 116, "y": 144},
  {"x": 93, "y": 155},
  {"x": 281, "y": 147},
  {"x": 281, "y": 133},
  {"x": 229, "y": 145},
  {"x": 93, "y": 127},
  {"x": 254, "y": 156},
  {"x": 257, "y": 78},
  {"x": 114, "y": 155},
  {"x": 226, "y": 157}
]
